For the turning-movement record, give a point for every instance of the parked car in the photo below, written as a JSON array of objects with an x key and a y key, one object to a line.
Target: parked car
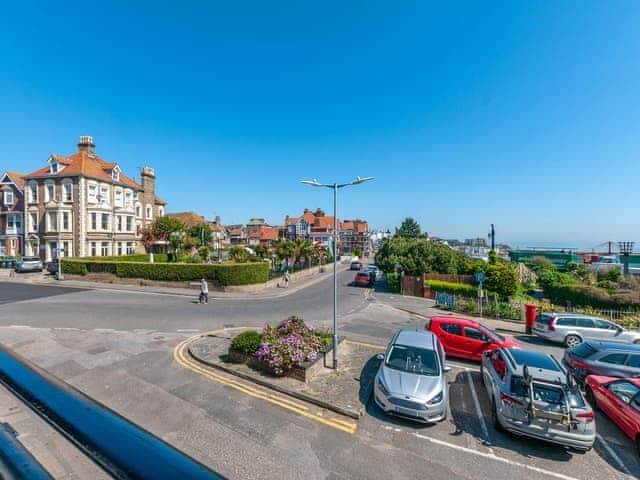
[
  {"x": 468, "y": 339},
  {"x": 531, "y": 394},
  {"x": 411, "y": 381},
  {"x": 356, "y": 265},
  {"x": 29, "y": 264},
  {"x": 611, "y": 359},
  {"x": 364, "y": 279},
  {"x": 572, "y": 329},
  {"x": 373, "y": 269},
  {"x": 8, "y": 263},
  {"x": 52, "y": 266},
  {"x": 619, "y": 399}
]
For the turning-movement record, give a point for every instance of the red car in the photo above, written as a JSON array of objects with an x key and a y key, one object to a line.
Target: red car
[
  {"x": 465, "y": 338},
  {"x": 364, "y": 279},
  {"x": 619, "y": 399}
]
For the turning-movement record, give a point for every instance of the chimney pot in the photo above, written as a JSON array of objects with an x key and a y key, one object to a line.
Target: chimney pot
[{"x": 86, "y": 144}]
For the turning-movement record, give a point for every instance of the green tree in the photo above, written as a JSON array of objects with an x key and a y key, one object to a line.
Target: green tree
[
  {"x": 357, "y": 252},
  {"x": 204, "y": 253},
  {"x": 283, "y": 248},
  {"x": 493, "y": 257},
  {"x": 501, "y": 278},
  {"x": 409, "y": 229},
  {"x": 163, "y": 227},
  {"x": 202, "y": 232},
  {"x": 261, "y": 250},
  {"x": 239, "y": 254}
]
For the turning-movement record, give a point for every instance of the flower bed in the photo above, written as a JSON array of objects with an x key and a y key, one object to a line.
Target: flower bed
[{"x": 290, "y": 348}]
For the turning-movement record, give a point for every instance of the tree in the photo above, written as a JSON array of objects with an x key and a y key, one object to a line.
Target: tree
[
  {"x": 202, "y": 232},
  {"x": 261, "y": 250},
  {"x": 409, "y": 229},
  {"x": 283, "y": 248},
  {"x": 163, "y": 227},
  {"x": 493, "y": 257},
  {"x": 357, "y": 252},
  {"x": 501, "y": 278},
  {"x": 204, "y": 253},
  {"x": 239, "y": 254}
]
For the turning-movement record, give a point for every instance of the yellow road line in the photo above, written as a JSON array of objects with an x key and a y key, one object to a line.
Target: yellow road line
[
  {"x": 362, "y": 344},
  {"x": 183, "y": 360}
]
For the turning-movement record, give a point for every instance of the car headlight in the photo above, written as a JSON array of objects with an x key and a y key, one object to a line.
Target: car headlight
[
  {"x": 436, "y": 399},
  {"x": 382, "y": 387}
]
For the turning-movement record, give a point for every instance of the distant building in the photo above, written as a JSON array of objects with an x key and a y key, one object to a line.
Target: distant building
[
  {"x": 190, "y": 219},
  {"x": 12, "y": 214},
  {"x": 315, "y": 226},
  {"x": 354, "y": 235}
]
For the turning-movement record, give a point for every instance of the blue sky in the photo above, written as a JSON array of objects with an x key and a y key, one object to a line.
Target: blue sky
[{"x": 524, "y": 114}]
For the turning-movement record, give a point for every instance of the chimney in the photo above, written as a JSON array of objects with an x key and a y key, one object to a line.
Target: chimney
[
  {"x": 218, "y": 220},
  {"x": 148, "y": 179},
  {"x": 86, "y": 144},
  {"x": 306, "y": 210}
]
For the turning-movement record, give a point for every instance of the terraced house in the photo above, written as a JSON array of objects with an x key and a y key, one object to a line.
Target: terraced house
[
  {"x": 81, "y": 205},
  {"x": 11, "y": 214}
]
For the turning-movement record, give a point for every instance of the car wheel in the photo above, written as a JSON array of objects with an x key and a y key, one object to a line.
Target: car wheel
[
  {"x": 591, "y": 398},
  {"x": 637, "y": 342},
  {"x": 572, "y": 340}
]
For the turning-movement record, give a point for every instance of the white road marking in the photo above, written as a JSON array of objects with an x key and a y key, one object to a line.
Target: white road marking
[
  {"x": 188, "y": 330},
  {"x": 613, "y": 454},
  {"x": 493, "y": 456},
  {"x": 465, "y": 367},
  {"x": 485, "y": 431}
]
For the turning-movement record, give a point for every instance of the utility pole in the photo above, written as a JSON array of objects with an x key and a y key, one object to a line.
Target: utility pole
[{"x": 493, "y": 237}]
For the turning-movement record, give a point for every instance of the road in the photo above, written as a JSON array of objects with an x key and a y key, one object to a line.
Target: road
[{"x": 118, "y": 348}]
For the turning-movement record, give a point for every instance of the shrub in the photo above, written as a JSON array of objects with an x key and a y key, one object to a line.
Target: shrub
[
  {"x": 223, "y": 274},
  {"x": 589, "y": 296},
  {"x": 393, "y": 282},
  {"x": 138, "y": 257},
  {"x": 247, "y": 342},
  {"x": 290, "y": 343},
  {"x": 462, "y": 289},
  {"x": 501, "y": 279}
]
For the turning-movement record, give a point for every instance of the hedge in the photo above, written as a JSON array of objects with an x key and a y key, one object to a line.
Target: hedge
[
  {"x": 247, "y": 342},
  {"x": 137, "y": 257},
  {"x": 223, "y": 274},
  {"x": 462, "y": 289}
]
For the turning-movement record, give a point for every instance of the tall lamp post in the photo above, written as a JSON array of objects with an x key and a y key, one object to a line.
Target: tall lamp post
[
  {"x": 626, "y": 248},
  {"x": 335, "y": 187}
]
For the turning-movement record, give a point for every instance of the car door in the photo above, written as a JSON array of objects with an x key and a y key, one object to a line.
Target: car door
[
  {"x": 586, "y": 328},
  {"x": 632, "y": 365},
  {"x": 452, "y": 339},
  {"x": 622, "y": 413},
  {"x": 476, "y": 342},
  {"x": 611, "y": 364},
  {"x": 605, "y": 330}
]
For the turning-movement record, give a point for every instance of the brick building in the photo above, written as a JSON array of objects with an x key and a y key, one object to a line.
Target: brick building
[{"x": 87, "y": 206}]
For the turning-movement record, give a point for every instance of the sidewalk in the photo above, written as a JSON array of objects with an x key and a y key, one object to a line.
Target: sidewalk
[{"x": 271, "y": 290}]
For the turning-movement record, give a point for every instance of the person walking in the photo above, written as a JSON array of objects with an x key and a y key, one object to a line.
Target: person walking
[
  {"x": 204, "y": 291},
  {"x": 287, "y": 277}
]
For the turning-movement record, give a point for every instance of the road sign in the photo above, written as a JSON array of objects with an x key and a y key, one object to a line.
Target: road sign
[{"x": 480, "y": 276}]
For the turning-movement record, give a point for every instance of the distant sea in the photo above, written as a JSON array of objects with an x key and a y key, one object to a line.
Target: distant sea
[{"x": 580, "y": 246}]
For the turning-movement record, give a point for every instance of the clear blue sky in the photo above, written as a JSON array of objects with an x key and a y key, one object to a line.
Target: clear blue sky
[{"x": 524, "y": 114}]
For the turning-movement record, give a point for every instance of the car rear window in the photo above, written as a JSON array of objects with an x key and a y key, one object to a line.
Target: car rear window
[
  {"x": 584, "y": 350},
  {"x": 534, "y": 359},
  {"x": 546, "y": 393},
  {"x": 544, "y": 318},
  {"x": 31, "y": 259}
]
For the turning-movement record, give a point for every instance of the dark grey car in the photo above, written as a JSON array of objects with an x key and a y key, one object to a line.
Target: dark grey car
[{"x": 603, "y": 358}]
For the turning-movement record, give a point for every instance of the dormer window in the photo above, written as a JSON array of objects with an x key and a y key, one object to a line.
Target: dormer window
[
  {"x": 54, "y": 166},
  {"x": 115, "y": 174}
]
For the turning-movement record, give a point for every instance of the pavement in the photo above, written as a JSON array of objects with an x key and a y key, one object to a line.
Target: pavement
[{"x": 122, "y": 349}]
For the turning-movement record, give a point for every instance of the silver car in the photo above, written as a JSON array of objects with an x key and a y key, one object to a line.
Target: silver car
[
  {"x": 29, "y": 264},
  {"x": 531, "y": 394},
  {"x": 411, "y": 381},
  {"x": 572, "y": 329}
]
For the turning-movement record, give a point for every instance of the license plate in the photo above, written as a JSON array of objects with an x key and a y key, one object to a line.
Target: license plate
[{"x": 405, "y": 411}]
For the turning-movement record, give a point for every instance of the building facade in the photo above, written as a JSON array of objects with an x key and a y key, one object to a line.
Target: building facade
[
  {"x": 11, "y": 214},
  {"x": 82, "y": 205},
  {"x": 354, "y": 235}
]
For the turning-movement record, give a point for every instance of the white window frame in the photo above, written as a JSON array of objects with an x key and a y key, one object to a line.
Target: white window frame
[
  {"x": 104, "y": 194},
  {"x": 102, "y": 222},
  {"x": 138, "y": 210},
  {"x": 148, "y": 212},
  {"x": 129, "y": 223},
  {"x": 128, "y": 198},
  {"x": 33, "y": 225},
  {"x": 92, "y": 192},
  {"x": 49, "y": 197},
  {"x": 33, "y": 192},
  {"x": 67, "y": 187},
  {"x": 161, "y": 211},
  {"x": 9, "y": 195},
  {"x": 52, "y": 221},
  {"x": 62, "y": 217},
  {"x": 93, "y": 248},
  {"x": 119, "y": 223},
  {"x": 93, "y": 225},
  {"x": 131, "y": 248},
  {"x": 104, "y": 249},
  {"x": 118, "y": 197}
]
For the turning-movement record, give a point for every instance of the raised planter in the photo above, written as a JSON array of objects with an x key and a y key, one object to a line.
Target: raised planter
[{"x": 303, "y": 373}]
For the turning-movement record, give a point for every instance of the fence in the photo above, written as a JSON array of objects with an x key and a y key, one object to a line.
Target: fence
[{"x": 445, "y": 277}]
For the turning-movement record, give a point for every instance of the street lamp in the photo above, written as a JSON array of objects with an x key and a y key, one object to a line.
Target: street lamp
[
  {"x": 335, "y": 187},
  {"x": 625, "y": 249}
]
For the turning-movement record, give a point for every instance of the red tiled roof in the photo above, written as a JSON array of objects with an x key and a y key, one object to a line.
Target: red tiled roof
[
  {"x": 85, "y": 164},
  {"x": 17, "y": 178},
  {"x": 269, "y": 233},
  {"x": 358, "y": 226},
  {"x": 323, "y": 222},
  {"x": 190, "y": 219}
]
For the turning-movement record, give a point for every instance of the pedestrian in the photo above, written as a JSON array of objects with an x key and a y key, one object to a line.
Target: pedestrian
[
  {"x": 287, "y": 277},
  {"x": 204, "y": 291}
]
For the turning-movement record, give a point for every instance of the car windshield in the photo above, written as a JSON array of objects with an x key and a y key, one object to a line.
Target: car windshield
[
  {"x": 413, "y": 360},
  {"x": 30, "y": 259}
]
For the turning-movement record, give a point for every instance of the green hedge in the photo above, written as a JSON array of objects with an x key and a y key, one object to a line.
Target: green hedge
[
  {"x": 138, "y": 257},
  {"x": 223, "y": 274},
  {"x": 462, "y": 289},
  {"x": 247, "y": 342}
]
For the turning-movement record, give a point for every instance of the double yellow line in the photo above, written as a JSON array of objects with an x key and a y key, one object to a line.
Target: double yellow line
[{"x": 182, "y": 358}]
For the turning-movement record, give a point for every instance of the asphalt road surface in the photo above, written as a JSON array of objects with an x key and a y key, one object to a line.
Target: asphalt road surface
[{"x": 119, "y": 348}]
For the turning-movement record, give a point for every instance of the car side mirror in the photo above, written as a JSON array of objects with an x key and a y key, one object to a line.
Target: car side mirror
[
  {"x": 446, "y": 368},
  {"x": 380, "y": 356}
]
